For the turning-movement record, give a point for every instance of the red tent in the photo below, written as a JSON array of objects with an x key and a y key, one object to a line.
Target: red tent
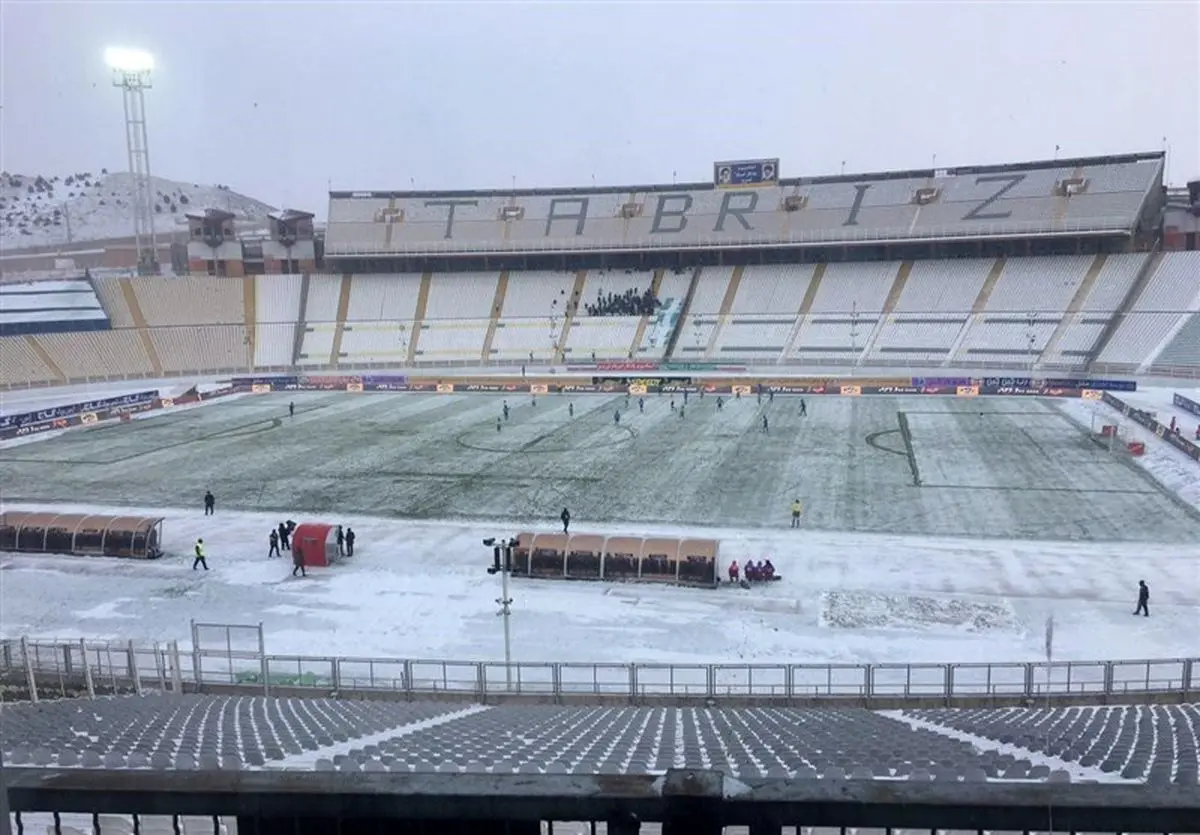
[{"x": 315, "y": 543}]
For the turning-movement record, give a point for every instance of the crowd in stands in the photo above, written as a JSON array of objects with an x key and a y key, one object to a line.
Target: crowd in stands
[{"x": 629, "y": 303}]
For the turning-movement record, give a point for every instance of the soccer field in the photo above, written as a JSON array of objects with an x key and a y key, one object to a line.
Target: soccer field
[{"x": 905, "y": 465}]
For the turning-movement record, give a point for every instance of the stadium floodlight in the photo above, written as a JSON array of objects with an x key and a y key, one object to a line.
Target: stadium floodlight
[
  {"x": 131, "y": 70},
  {"x": 128, "y": 60}
]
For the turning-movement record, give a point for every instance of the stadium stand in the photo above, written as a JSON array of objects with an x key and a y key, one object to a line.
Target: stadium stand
[
  {"x": 1054, "y": 313},
  {"x": 100, "y": 355},
  {"x": 458, "y": 316},
  {"x": 848, "y": 303},
  {"x": 1155, "y": 744},
  {"x": 199, "y": 348},
  {"x": 1152, "y": 743},
  {"x": 375, "y": 318},
  {"x": 1023, "y": 310},
  {"x": 277, "y": 310},
  {"x": 1184, "y": 348},
  {"x": 200, "y": 300},
  {"x": 21, "y": 363},
  {"x": 1155, "y": 315},
  {"x": 1089, "y": 314},
  {"x": 50, "y": 306},
  {"x": 1084, "y": 196},
  {"x": 320, "y": 311},
  {"x": 534, "y": 314},
  {"x": 930, "y": 312}
]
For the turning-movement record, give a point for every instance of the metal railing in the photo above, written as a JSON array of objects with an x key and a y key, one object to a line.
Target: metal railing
[
  {"x": 51, "y": 668},
  {"x": 693, "y": 801}
]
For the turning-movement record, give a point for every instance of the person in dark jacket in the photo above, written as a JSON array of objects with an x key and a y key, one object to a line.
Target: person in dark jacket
[
  {"x": 298, "y": 563},
  {"x": 274, "y": 540},
  {"x": 350, "y": 537},
  {"x": 566, "y": 519},
  {"x": 284, "y": 537},
  {"x": 341, "y": 541},
  {"x": 291, "y": 410},
  {"x": 210, "y": 502},
  {"x": 1143, "y": 607}
]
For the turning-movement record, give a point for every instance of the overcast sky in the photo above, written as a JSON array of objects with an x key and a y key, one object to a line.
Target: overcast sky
[{"x": 278, "y": 100}]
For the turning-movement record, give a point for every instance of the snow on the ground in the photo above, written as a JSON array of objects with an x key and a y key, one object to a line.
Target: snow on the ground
[
  {"x": 420, "y": 590},
  {"x": 1160, "y": 402},
  {"x": 94, "y": 206},
  {"x": 1166, "y": 464},
  {"x": 417, "y": 588},
  {"x": 31, "y": 400}
]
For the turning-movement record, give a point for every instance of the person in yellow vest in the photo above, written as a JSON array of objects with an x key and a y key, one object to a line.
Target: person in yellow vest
[
  {"x": 797, "y": 510},
  {"x": 199, "y": 560}
]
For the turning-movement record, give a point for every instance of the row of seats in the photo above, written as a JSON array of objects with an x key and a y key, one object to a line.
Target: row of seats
[
  {"x": 1039, "y": 312},
  {"x": 1156, "y": 744}
]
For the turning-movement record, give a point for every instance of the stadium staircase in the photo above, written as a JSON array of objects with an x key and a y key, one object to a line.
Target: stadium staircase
[
  {"x": 45, "y": 357},
  {"x": 250, "y": 315},
  {"x": 640, "y": 333},
  {"x": 977, "y": 309},
  {"x": 1149, "y": 268},
  {"x": 139, "y": 322},
  {"x": 419, "y": 315},
  {"x": 669, "y": 353},
  {"x": 343, "y": 310},
  {"x": 889, "y": 305},
  {"x": 560, "y": 349},
  {"x": 497, "y": 307},
  {"x": 806, "y": 304},
  {"x": 1072, "y": 312},
  {"x": 301, "y": 318},
  {"x": 735, "y": 281}
]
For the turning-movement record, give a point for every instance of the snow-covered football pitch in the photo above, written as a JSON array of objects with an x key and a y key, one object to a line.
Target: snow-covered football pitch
[
  {"x": 926, "y": 466},
  {"x": 936, "y": 529}
]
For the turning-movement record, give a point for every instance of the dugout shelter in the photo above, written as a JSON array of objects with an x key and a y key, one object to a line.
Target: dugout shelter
[
  {"x": 583, "y": 556},
  {"x": 81, "y": 534},
  {"x": 315, "y": 544}
]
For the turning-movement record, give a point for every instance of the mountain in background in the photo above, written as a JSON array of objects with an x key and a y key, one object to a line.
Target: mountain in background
[{"x": 53, "y": 211}]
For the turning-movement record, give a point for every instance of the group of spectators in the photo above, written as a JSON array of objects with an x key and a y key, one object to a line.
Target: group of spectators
[{"x": 629, "y": 303}]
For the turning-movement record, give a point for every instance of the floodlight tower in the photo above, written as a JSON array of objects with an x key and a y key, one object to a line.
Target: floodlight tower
[{"x": 131, "y": 69}]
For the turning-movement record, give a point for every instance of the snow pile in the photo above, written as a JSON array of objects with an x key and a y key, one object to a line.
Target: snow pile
[
  {"x": 868, "y": 610},
  {"x": 89, "y": 206}
]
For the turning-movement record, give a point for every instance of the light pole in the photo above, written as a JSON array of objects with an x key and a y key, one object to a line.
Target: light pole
[
  {"x": 131, "y": 69},
  {"x": 502, "y": 551},
  {"x": 5, "y": 823}
]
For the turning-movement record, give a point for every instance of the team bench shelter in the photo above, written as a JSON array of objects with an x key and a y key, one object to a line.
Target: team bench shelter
[
  {"x": 584, "y": 556},
  {"x": 81, "y": 534}
]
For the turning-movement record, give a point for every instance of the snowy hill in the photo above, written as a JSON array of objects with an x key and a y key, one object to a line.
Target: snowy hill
[{"x": 39, "y": 210}]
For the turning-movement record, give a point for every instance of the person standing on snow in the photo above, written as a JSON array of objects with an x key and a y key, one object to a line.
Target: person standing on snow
[
  {"x": 199, "y": 560},
  {"x": 1143, "y": 607},
  {"x": 210, "y": 503},
  {"x": 274, "y": 540},
  {"x": 566, "y": 519}
]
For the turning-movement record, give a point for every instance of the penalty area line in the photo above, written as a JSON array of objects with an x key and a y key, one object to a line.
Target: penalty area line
[{"x": 909, "y": 453}]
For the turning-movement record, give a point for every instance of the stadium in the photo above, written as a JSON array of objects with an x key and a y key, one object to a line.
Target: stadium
[{"x": 978, "y": 384}]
